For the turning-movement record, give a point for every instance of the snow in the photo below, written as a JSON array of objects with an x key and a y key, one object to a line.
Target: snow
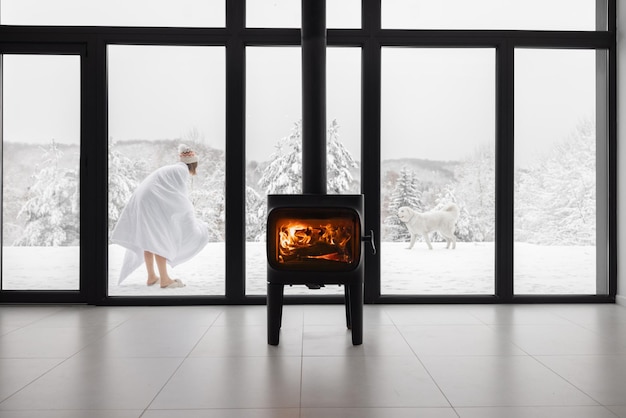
[{"x": 467, "y": 270}]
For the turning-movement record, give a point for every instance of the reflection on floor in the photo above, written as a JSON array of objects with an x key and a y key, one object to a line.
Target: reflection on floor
[{"x": 213, "y": 361}]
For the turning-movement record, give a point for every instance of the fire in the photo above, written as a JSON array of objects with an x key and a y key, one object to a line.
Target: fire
[{"x": 298, "y": 240}]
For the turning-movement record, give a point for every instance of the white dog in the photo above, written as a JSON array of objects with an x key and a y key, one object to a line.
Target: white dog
[{"x": 443, "y": 221}]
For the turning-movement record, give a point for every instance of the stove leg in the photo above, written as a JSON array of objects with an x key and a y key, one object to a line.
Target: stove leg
[
  {"x": 274, "y": 312},
  {"x": 356, "y": 312},
  {"x": 348, "y": 313}
]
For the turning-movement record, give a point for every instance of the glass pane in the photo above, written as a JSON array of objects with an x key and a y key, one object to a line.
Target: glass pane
[
  {"x": 173, "y": 13},
  {"x": 40, "y": 172},
  {"x": 489, "y": 14},
  {"x": 273, "y": 114},
  {"x": 159, "y": 98},
  {"x": 287, "y": 14},
  {"x": 273, "y": 13},
  {"x": 343, "y": 115},
  {"x": 555, "y": 177},
  {"x": 343, "y": 14},
  {"x": 273, "y": 139},
  {"x": 438, "y": 162}
]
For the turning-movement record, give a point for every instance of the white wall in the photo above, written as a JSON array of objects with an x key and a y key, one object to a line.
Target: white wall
[{"x": 621, "y": 151}]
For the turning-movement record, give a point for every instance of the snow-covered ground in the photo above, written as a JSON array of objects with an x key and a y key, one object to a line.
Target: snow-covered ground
[{"x": 467, "y": 270}]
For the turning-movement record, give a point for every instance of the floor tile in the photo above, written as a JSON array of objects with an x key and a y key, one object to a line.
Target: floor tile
[
  {"x": 455, "y": 340},
  {"x": 73, "y": 414},
  {"x": 518, "y": 315},
  {"x": 177, "y": 316},
  {"x": 619, "y": 410},
  {"x": 601, "y": 377},
  {"x": 222, "y": 341},
  {"x": 149, "y": 340},
  {"x": 234, "y": 316},
  {"x": 34, "y": 342},
  {"x": 501, "y": 381},
  {"x": 431, "y": 315},
  {"x": 560, "y": 340},
  {"x": 359, "y": 381},
  {"x": 336, "y": 315},
  {"x": 224, "y": 413},
  {"x": 95, "y": 384},
  {"x": 592, "y": 316},
  {"x": 378, "y": 413},
  {"x": 233, "y": 382},
  {"x": 536, "y": 412},
  {"x": 22, "y": 315},
  {"x": 17, "y": 373},
  {"x": 87, "y": 317},
  {"x": 336, "y": 340}
]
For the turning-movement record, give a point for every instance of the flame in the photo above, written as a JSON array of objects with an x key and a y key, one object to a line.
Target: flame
[
  {"x": 294, "y": 235},
  {"x": 330, "y": 239}
]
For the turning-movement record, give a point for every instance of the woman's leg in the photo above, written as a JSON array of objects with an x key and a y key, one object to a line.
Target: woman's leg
[
  {"x": 148, "y": 257},
  {"x": 161, "y": 263}
]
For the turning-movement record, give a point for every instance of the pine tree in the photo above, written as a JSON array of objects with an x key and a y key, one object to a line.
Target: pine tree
[
  {"x": 123, "y": 179},
  {"x": 256, "y": 215},
  {"x": 338, "y": 162},
  {"x": 556, "y": 199},
  {"x": 207, "y": 192},
  {"x": 283, "y": 175},
  {"x": 474, "y": 193},
  {"x": 406, "y": 193},
  {"x": 51, "y": 212}
]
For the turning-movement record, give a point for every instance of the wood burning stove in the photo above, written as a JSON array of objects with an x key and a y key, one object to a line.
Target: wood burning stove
[{"x": 314, "y": 239}]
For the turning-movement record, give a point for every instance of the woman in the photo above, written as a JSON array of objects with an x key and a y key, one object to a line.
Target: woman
[{"x": 158, "y": 224}]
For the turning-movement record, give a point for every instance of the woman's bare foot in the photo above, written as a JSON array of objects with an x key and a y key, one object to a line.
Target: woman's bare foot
[
  {"x": 171, "y": 283},
  {"x": 153, "y": 279}
]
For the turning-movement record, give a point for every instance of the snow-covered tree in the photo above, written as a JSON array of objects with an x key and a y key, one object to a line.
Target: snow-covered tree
[
  {"x": 256, "y": 215},
  {"x": 123, "y": 179},
  {"x": 339, "y": 161},
  {"x": 283, "y": 175},
  {"x": 556, "y": 199},
  {"x": 207, "y": 191},
  {"x": 405, "y": 193},
  {"x": 474, "y": 193},
  {"x": 51, "y": 211}
]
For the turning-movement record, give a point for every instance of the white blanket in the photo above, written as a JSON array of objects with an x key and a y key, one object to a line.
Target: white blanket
[{"x": 159, "y": 218}]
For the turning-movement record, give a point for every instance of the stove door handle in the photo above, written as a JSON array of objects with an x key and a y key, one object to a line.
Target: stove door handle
[{"x": 370, "y": 238}]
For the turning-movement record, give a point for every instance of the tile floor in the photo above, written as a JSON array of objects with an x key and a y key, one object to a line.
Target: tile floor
[{"x": 433, "y": 361}]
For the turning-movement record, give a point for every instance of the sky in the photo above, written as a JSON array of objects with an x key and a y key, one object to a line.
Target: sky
[{"x": 436, "y": 104}]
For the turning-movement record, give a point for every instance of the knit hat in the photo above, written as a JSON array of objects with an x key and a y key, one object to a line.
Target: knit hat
[{"x": 187, "y": 155}]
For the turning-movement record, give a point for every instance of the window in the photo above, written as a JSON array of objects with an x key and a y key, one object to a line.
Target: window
[
  {"x": 173, "y": 13},
  {"x": 556, "y": 171},
  {"x": 41, "y": 172},
  {"x": 503, "y": 108},
  {"x": 287, "y": 13},
  {"x": 273, "y": 114},
  {"x": 490, "y": 14},
  {"x": 274, "y": 138},
  {"x": 438, "y": 171},
  {"x": 161, "y": 97}
]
